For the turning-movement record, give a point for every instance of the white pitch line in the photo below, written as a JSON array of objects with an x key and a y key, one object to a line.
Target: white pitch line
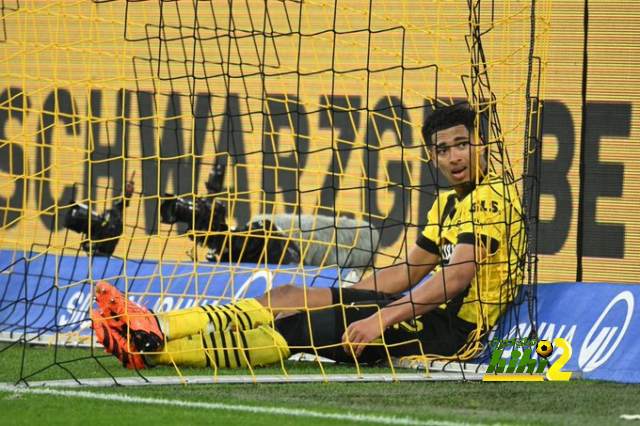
[
  {"x": 630, "y": 416},
  {"x": 387, "y": 420}
]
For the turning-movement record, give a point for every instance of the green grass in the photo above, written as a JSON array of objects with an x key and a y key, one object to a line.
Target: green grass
[
  {"x": 579, "y": 402},
  {"x": 37, "y": 363}
]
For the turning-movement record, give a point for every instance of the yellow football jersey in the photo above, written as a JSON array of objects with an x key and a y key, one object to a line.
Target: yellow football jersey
[{"x": 490, "y": 216}]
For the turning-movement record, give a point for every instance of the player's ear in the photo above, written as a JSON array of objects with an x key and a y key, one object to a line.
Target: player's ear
[{"x": 432, "y": 153}]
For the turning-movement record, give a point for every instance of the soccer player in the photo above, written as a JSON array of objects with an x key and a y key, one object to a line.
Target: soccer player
[{"x": 473, "y": 244}]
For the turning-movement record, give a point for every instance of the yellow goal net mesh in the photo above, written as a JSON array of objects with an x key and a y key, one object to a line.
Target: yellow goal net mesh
[{"x": 203, "y": 152}]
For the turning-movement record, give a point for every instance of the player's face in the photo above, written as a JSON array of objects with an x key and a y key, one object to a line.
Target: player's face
[{"x": 458, "y": 156}]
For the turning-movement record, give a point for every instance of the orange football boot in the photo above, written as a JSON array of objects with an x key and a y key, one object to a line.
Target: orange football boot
[
  {"x": 129, "y": 317},
  {"x": 116, "y": 343}
]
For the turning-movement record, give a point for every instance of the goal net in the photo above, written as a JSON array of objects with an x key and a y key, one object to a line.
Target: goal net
[{"x": 203, "y": 152}]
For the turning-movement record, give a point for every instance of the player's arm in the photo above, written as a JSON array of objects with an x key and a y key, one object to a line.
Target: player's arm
[
  {"x": 443, "y": 286},
  {"x": 402, "y": 276},
  {"x": 449, "y": 282}
]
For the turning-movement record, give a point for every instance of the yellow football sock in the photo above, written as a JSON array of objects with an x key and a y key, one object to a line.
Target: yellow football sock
[
  {"x": 225, "y": 349},
  {"x": 245, "y": 314}
]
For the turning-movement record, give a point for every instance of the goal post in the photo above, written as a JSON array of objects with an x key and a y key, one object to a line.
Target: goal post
[{"x": 202, "y": 152}]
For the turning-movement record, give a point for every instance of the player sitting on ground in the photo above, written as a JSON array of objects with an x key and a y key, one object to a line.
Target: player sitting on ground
[{"x": 473, "y": 243}]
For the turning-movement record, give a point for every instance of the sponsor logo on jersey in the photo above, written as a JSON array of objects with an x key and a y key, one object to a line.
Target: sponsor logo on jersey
[{"x": 485, "y": 206}]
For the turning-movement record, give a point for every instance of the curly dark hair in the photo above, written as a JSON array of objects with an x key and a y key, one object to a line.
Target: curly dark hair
[{"x": 445, "y": 117}]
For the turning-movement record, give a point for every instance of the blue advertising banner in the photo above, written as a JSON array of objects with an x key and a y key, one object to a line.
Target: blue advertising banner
[
  {"x": 52, "y": 294},
  {"x": 42, "y": 296},
  {"x": 600, "y": 322}
]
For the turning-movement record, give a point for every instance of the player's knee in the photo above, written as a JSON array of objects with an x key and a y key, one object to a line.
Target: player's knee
[
  {"x": 283, "y": 297},
  {"x": 291, "y": 296},
  {"x": 286, "y": 292}
]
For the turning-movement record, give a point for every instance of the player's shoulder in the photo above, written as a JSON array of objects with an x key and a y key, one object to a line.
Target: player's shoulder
[
  {"x": 496, "y": 185},
  {"x": 494, "y": 194},
  {"x": 445, "y": 195},
  {"x": 443, "y": 198}
]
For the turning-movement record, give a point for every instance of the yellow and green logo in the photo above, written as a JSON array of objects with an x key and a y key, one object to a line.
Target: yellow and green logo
[{"x": 520, "y": 367}]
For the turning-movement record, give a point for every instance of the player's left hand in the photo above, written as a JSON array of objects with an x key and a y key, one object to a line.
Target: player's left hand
[{"x": 360, "y": 333}]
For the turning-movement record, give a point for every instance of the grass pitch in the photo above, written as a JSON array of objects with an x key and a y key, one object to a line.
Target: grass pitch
[{"x": 579, "y": 402}]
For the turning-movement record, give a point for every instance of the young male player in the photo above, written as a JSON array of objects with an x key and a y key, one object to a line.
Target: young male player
[{"x": 473, "y": 243}]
